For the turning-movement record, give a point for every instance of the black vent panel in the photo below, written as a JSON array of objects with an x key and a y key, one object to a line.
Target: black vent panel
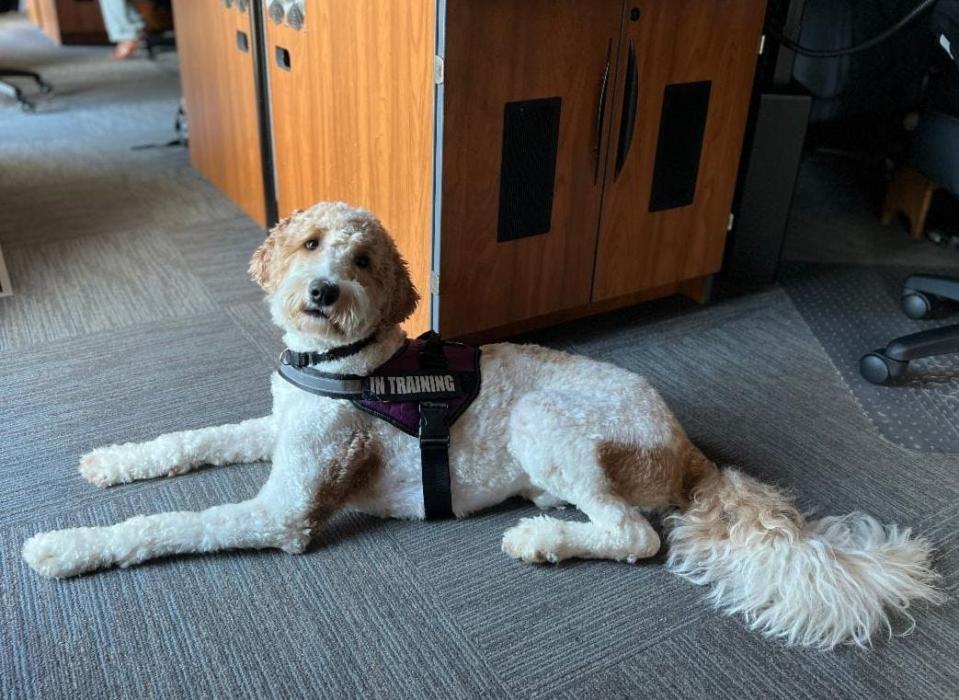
[
  {"x": 528, "y": 171},
  {"x": 681, "y": 129}
]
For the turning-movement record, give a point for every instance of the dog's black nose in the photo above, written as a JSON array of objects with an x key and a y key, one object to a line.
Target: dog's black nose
[{"x": 324, "y": 292}]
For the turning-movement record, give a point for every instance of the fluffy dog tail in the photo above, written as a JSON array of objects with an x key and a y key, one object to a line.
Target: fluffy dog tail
[{"x": 815, "y": 583}]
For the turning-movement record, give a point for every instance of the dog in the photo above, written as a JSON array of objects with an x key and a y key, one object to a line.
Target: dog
[{"x": 548, "y": 426}]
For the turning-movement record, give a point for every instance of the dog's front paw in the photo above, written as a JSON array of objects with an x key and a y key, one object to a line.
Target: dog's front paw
[
  {"x": 60, "y": 553},
  {"x": 535, "y": 540},
  {"x": 105, "y": 466}
]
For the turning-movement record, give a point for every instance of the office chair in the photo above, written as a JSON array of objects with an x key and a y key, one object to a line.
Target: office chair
[
  {"x": 934, "y": 164},
  {"x": 25, "y": 104}
]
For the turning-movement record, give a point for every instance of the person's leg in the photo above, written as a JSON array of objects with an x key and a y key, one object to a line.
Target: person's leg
[{"x": 123, "y": 23}]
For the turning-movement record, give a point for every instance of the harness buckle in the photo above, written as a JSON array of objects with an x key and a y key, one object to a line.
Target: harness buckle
[
  {"x": 433, "y": 428},
  {"x": 291, "y": 358}
]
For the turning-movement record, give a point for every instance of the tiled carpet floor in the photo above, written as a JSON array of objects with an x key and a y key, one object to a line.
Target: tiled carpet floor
[{"x": 129, "y": 273}]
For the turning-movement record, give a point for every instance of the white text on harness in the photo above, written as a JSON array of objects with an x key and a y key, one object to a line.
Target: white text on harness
[{"x": 414, "y": 384}]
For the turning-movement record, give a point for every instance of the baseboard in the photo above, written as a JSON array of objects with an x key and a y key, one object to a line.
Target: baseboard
[
  {"x": 697, "y": 288},
  {"x": 5, "y": 288}
]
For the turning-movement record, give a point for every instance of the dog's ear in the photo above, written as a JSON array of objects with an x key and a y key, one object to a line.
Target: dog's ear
[
  {"x": 405, "y": 297},
  {"x": 261, "y": 264},
  {"x": 262, "y": 261}
]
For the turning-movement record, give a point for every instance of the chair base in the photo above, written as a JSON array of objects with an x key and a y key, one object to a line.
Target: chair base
[
  {"x": 25, "y": 104},
  {"x": 920, "y": 294}
]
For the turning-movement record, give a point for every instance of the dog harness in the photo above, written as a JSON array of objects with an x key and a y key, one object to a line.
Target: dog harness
[{"x": 422, "y": 390}]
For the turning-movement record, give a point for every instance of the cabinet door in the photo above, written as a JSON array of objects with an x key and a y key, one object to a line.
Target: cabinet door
[
  {"x": 522, "y": 156},
  {"x": 216, "y": 45},
  {"x": 686, "y": 70},
  {"x": 69, "y": 21},
  {"x": 351, "y": 97}
]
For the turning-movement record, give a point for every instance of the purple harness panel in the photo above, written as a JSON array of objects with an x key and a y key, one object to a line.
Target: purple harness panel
[{"x": 462, "y": 360}]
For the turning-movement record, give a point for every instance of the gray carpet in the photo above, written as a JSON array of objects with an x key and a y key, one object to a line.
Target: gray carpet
[{"x": 128, "y": 260}]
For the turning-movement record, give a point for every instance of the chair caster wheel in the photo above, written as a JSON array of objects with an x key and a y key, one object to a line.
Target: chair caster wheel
[
  {"x": 876, "y": 368},
  {"x": 915, "y": 304},
  {"x": 27, "y": 107}
]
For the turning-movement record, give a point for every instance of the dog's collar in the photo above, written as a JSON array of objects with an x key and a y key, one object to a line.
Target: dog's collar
[
  {"x": 333, "y": 386},
  {"x": 296, "y": 359}
]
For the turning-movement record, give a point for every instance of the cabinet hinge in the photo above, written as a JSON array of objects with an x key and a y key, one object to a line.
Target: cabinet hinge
[
  {"x": 435, "y": 283},
  {"x": 439, "y": 71},
  {"x": 732, "y": 220},
  {"x": 762, "y": 44}
]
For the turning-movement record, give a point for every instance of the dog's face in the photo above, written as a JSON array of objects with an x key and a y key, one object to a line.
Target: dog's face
[{"x": 332, "y": 272}]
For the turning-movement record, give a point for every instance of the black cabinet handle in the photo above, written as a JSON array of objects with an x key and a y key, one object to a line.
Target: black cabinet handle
[
  {"x": 601, "y": 114},
  {"x": 628, "y": 123},
  {"x": 242, "y": 41}
]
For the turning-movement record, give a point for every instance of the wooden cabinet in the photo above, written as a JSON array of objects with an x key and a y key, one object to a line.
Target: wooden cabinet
[
  {"x": 33, "y": 12},
  {"x": 69, "y": 21},
  {"x": 536, "y": 160},
  {"x": 628, "y": 195},
  {"x": 216, "y": 44}
]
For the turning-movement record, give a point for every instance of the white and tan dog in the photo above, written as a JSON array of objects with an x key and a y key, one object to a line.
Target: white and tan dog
[{"x": 548, "y": 426}]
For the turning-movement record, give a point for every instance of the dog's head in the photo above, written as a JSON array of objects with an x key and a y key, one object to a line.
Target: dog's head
[{"x": 333, "y": 273}]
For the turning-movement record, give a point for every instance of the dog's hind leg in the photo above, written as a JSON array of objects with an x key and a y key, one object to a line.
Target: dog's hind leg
[
  {"x": 580, "y": 448},
  {"x": 615, "y": 531},
  {"x": 177, "y": 453}
]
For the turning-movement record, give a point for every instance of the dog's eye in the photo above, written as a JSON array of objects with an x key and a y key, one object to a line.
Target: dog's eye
[
  {"x": 311, "y": 244},
  {"x": 362, "y": 260}
]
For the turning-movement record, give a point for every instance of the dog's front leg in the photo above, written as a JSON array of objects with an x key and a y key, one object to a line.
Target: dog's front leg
[
  {"x": 250, "y": 524},
  {"x": 177, "y": 453},
  {"x": 310, "y": 479}
]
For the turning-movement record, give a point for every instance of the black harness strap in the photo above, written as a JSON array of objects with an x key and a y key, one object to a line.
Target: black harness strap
[
  {"x": 435, "y": 439},
  {"x": 435, "y": 460}
]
